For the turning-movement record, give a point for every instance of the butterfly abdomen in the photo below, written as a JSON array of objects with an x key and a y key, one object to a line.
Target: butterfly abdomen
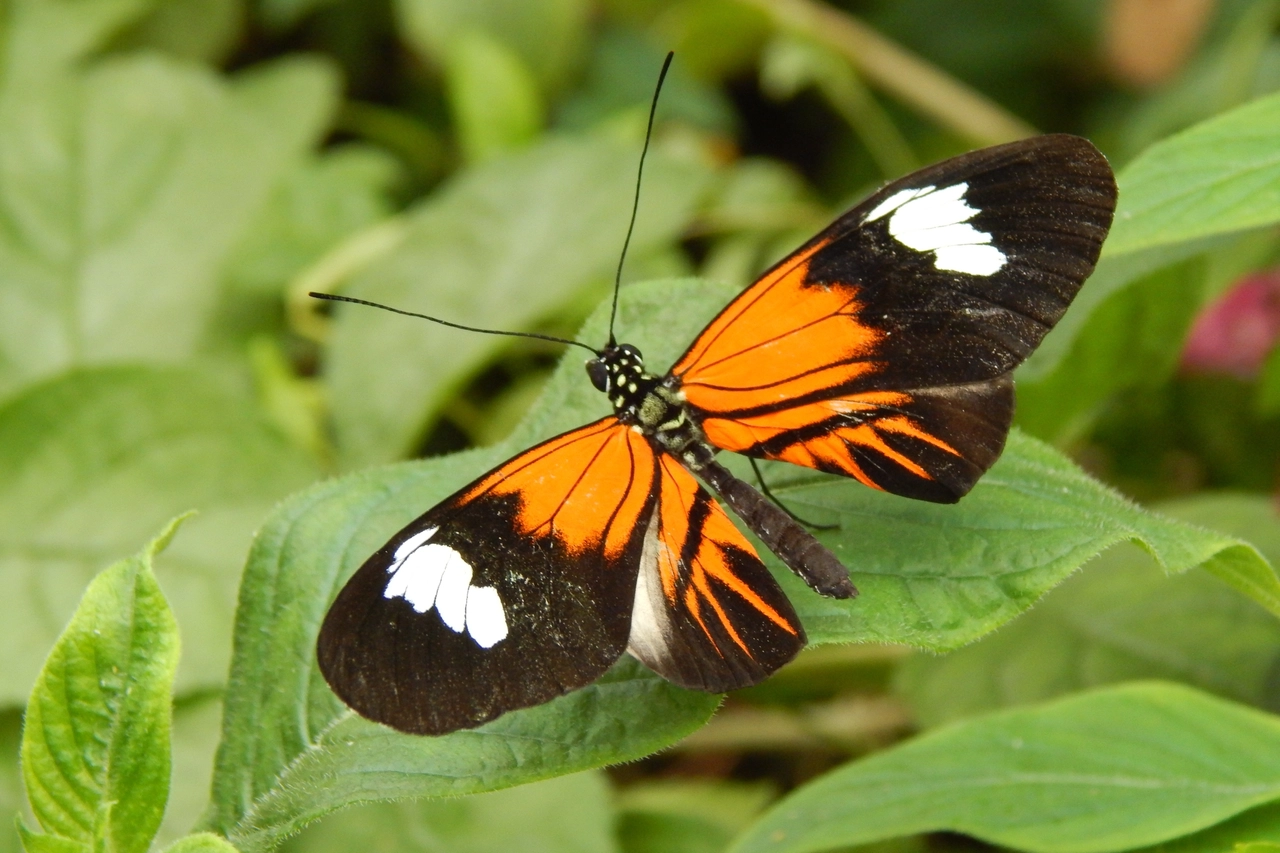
[{"x": 781, "y": 534}]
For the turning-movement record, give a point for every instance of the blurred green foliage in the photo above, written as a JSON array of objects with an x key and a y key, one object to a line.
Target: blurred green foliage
[{"x": 175, "y": 175}]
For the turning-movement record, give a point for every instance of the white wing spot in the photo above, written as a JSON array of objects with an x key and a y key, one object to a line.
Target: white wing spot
[
  {"x": 410, "y": 545},
  {"x": 451, "y": 601},
  {"x": 937, "y": 220},
  {"x": 429, "y": 575},
  {"x": 418, "y": 578},
  {"x": 486, "y": 621}
]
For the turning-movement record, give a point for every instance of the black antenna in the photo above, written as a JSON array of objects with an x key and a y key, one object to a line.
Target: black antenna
[
  {"x": 635, "y": 207},
  {"x": 335, "y": 298}
]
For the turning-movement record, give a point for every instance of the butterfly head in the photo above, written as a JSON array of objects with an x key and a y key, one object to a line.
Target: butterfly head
[{"x": 618, "y": 370}]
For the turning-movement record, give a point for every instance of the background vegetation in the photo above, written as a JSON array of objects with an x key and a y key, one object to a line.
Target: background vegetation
[{"x": 175, "y": 175}]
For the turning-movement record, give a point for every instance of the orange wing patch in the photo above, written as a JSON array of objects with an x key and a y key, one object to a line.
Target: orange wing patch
[
  {"x": 582, "y": 488},
  {"x": 778, "y": 341},
  {"x": 840, "y": 428}
]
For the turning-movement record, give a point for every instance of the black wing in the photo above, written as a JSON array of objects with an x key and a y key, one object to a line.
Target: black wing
[{"x": 511, "y": 592}]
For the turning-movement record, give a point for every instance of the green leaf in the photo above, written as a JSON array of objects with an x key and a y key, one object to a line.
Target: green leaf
[
  {"x": 572, "y": 814},
  {"x": 91, "y": 462},
  {"x": 323, "y": 199},
  {"x": 283, "y": 730},
  {"x": 12, "y": 801},
  {"x": 201, "y": 842},
  {"x": 1257, "y": 847},
  {"x": 659, "y": 832},
  {"x": 494, "y": 100},
  {"x": 44, "y": 37},
  {"x": 35, "y": 842},
  {"x": 1132, "y": 340},
  {"x": 95, "y": 741},
  {"x": 197, "y": 30},
  {"x": 127, "y": 187},
  {"x": 687, "y": 816},
  {"x": 1219, "y": 176},
  {"x": 1110, "y": 277},
  {"x": 940, "y": 576},
  {"x": 1107, "y": 770},
  {"x": 619, "y": 79},
  {"x": 502, "y": 247},
  {"x": 1119, "y": 620},
  {"x": 1258, "y": 824},
  {"x": 548, "y": 36}
]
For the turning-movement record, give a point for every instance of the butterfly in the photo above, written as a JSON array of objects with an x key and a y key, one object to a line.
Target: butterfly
[{"x": 881, "y": 350}]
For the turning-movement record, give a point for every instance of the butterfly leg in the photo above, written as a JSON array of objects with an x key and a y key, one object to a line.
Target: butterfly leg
[
  {"x": 768, "y": 493},
  {"x": 782, "y": 534}
]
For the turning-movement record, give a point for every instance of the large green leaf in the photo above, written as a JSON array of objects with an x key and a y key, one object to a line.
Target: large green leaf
[
  {"x": 284, "y": 731},
  {"x": 571, "y": 814},
  {"x": 1106, "y": 770},
  {"x": 95, "y": 740},
  {"x": 931, "y": 575},
  {"x": 124, "y": 190},
  {"x": 1219, "y": 176},
  {"x": 91, "y": 463},
  {"x": 939, "y": 576},
  {"x": 502, "y": 247},
  {"x": 1120, "y": 620}
]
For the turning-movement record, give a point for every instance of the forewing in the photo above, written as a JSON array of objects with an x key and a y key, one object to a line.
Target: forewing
[
  {"x": 511, "y": 592},
  {"x": 707, "y": 613},
  {"x": 882, "y": 348}
]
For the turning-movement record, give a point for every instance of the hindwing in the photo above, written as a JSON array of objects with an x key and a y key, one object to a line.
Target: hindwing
[{"x": 707, "y": 613}]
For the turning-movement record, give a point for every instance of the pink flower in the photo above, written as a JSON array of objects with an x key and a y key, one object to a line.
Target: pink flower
[{"x": 1234, "y": 334}]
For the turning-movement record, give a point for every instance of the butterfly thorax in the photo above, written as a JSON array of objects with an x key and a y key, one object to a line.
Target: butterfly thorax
[{"x": 649, "y": 404}]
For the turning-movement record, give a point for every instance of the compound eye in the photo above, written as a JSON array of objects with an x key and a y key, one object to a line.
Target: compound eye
[{"x": 599, "y": 375}]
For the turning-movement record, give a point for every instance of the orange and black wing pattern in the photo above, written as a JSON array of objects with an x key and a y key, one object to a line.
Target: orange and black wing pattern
[
  {"x": 516, "y": 589},
  {"x": 883, "y": 348},
  {"x": 708, "y": 615}
]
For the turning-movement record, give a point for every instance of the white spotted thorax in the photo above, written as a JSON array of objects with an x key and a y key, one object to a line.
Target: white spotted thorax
[
  {"x": 649, "y": 404},
  {"x": 935, "y": 220},
  {"x": 430, "y": 575}
]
